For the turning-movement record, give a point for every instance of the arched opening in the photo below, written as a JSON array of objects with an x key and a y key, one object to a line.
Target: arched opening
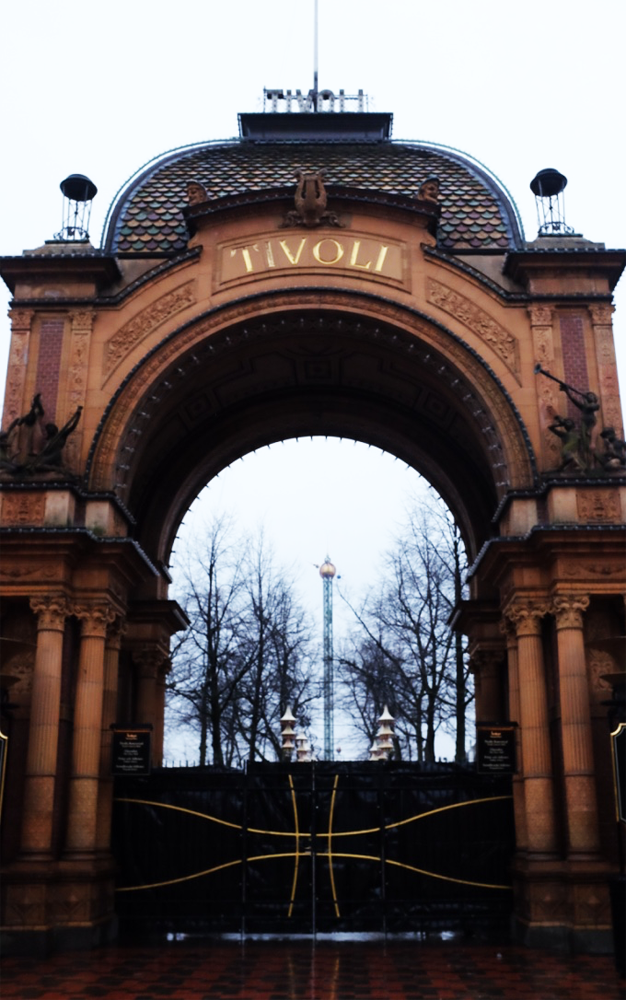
[
  {"x": 200, "y": 402},
  {"x": 385, "y": 529}
]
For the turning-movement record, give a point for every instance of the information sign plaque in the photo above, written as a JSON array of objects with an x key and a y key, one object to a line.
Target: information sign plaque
[
  {"x": 131, "y": 751},
  {"x": 495, "y": 749}
]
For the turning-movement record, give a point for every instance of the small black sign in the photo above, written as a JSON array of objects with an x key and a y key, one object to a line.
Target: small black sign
[
  {"x": 618, "y": 740},
  {"x": 495, "y": 749},
  {"x": 131, "y": 751}
]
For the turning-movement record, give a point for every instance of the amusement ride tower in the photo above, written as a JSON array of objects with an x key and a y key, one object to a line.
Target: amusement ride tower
[{"x": 327, "y": 572}]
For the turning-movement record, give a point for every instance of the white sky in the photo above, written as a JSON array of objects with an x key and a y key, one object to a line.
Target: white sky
[{"x": 100, "y": 89}]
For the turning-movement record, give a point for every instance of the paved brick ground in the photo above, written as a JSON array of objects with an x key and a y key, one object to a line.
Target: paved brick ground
[{"x": 297, "y": 970}]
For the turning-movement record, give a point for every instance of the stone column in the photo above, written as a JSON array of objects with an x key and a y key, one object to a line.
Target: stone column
[
  {"x": 578, "y": 764},
  {"x": 43, "y": 735},
  {"x": 157, "y": 747},
  {"x": 109, "y": 714},
  {"x": 535, "y": 732},
  {"x": 486, "y": 664},
  {"x": 83, "y": 798},
  {"x": 149, "y": 660},
  {"x": 519, "y": 802}
]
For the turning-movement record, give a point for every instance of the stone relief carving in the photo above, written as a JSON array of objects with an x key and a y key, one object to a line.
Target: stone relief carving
[
  {"x": 23, "y": 509},
  {"x": 141, "y": 325},
  {"x": 598, "y": 505},
  {"x": 477, "y": 320},
  {"x": 21, "y": 320},
  {"x": 310, "y": 202}
]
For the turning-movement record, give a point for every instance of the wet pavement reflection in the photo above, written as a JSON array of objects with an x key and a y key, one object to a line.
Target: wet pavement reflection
[{"x": 363, "y": 969}]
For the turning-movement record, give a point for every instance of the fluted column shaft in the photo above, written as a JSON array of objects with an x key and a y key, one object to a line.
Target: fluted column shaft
[
  {"x": 149, "y": 661},
  {"x": 519, "y": 802},
  {"x": 83, "y": 798},
  {"x": 535, "y": 734},
  {"x": 486, "y": 665},
  {"x": 157, "y": 748},
  {"x": 578, "y": 763},
  {"x": 109, "y": 713},
  {"x": 43, "y": 734}
]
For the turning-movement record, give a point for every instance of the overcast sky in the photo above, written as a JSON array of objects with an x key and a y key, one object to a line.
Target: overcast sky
[{"x": 101, "y": 89}]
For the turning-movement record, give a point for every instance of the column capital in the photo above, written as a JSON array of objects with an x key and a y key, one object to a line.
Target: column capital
[
  {"x": 486, "y": 662},
  {"x": 51, "y": 611},
  {"x": 95, "y": 618},
  {"x": 150, "y": 660},
  {"x": 116, "y": 630},
  {"x": 568, "y": 610},
  {"x": 526, "y": 616},
  {"x": 601, "y": 313},
  {"x": 21, "y": 320},
  {"x": 541, "y": 315},
  {"x": 82, "y": 320}
]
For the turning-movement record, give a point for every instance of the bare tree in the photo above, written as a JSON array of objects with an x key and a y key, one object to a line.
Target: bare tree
[
  {"x": 245, "y": 654},
  {"x": 404, "y": 652}
]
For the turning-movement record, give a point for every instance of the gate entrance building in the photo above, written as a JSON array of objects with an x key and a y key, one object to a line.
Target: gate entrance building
[{"x": 311, "y": 277}]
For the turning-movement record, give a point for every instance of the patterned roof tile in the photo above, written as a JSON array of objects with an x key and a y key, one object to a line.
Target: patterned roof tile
[{"x": 147, "y": 217}]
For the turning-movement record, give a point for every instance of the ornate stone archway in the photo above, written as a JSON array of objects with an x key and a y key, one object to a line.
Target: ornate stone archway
[{"x": 213, "y": 322}]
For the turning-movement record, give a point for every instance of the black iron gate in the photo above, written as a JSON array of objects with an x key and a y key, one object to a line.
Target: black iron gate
[{"x": 312, "y": 848}]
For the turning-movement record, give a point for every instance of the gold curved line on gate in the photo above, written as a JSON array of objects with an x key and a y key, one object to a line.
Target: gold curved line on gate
[
  {"x": 183, "y": 878},
  {"x": 420, "y": 871},
  {"x": 329, "y": 853},
  {"x": 208, "y": 871},
  {"x": 214, "y": 819},
  {"x": 296, "y": 834},
  {"x": 412, "y": 819}
]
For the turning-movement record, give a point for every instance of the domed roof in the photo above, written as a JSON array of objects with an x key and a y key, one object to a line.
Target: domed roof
[{"x": 146, "y": 217}]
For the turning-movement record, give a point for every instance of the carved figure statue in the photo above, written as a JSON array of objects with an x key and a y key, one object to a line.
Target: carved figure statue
[
  {"x": 50, "y": 456},
  {"x": 25, "y": 435},
  {"x": 196, "y": 193},
  {"x": 28, "y": 447},
  {"x": 589, "y": 405},
  {"x": 614, "y": 454},
  {"x": 310, "y": 202},
  {"x": 565, "y": 429},
  {"x": 310, "y": 197},
  {"x": 429, "y": 190}
]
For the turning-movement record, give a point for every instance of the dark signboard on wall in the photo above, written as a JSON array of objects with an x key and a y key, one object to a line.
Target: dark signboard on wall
[
  {"x": 131, "y": 751},
  {"x": 495, "y": 749}
]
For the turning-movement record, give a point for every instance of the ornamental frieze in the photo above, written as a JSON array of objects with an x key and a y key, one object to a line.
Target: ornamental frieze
[
  {"x": 137, "y": 328},
  {"x": 477, "y": 320},
  {"x": 357, "y": 253}
]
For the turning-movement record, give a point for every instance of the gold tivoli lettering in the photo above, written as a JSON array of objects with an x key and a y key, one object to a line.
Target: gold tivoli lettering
[{"x": 360, "y": 254}]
